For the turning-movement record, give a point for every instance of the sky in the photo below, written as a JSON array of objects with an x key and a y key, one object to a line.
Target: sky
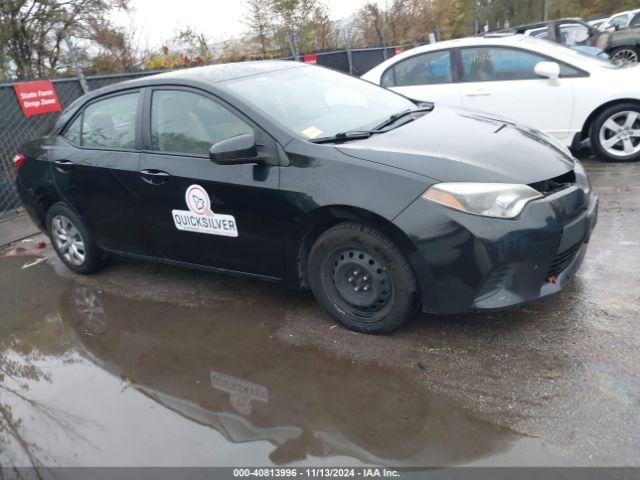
[{"x": 157, "y": 20}]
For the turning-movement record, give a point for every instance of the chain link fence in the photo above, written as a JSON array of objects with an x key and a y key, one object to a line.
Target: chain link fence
[
  {"x": 362, "y": 60},
  {"x": 16, "y": 129}
]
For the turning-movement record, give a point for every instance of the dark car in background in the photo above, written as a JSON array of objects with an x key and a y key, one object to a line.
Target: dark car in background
[
  {"x": 622, "y": 46},
  {"x": 296, "y": 173}
]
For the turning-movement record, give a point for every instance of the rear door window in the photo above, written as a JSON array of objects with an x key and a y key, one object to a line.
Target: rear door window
[
  {"x": 424, "y": 69},
  {"x": 109, "y": 123}
]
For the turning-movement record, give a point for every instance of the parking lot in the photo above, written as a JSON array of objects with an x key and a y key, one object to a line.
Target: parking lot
[{"x": 196, "y": 368}]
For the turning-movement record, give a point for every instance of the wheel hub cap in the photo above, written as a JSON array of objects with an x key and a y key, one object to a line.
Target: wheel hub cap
[
  {"x": 625, "y": 57},
  {"x": 361, "y": 280},
  {"x": 68, "y": 240},
  {"x": 620, "y": 134}
]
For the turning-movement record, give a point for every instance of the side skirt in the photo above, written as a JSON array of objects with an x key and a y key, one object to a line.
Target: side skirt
[{"x": 195, "y": 266}]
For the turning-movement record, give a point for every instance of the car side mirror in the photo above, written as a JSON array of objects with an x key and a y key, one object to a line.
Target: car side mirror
[
  {"x": 235, "y": 150},
  {"x": 550, "y": 70}
]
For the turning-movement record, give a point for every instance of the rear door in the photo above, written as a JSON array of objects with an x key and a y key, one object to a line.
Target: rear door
[
  {"x": 501, "y": 80},
  {"x": 95, "y": 164},
  {"x": 183, "y": 191},
  {"x": 427, "y": 77}
]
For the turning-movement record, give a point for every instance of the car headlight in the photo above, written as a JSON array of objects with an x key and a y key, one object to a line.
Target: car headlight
[{"x": 498, "y": 200}]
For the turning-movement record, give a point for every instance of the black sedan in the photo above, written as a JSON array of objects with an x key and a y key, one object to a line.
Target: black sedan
[{"x": 295, "y": 173}]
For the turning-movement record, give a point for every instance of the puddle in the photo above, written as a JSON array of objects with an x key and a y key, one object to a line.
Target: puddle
[{"x": 91, "y": 377}]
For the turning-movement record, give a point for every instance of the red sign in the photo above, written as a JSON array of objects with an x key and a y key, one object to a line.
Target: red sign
[
  {"x": 398, "y": 50},
  {"x": 311, "y": 58},
  {"x": 36, "y": 98}
]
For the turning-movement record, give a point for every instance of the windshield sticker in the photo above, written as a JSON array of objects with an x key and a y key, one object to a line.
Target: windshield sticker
[
  {"x": 199, "y": 218},
  {"x": 312, "y": 132}
]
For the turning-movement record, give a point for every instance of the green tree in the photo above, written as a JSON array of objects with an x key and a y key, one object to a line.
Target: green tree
[{"x": 305, "y": 22}]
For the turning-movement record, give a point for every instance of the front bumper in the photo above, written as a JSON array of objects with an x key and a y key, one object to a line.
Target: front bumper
[{"x": 467, "y": 262}]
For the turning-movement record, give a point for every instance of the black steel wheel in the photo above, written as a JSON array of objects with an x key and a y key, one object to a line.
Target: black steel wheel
[
  {"x": 362, "y": 284},
  {"x": 362, "y": 279}
]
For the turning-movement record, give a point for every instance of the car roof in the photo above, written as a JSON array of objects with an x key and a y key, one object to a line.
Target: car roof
[
  {"x": 626, "y": 12},
  {"x": 529, "y": 26},
  {"x": 208, "y": 75},
  {"x": 488, "y": 39},
  {"x": 541, "y": 46},
  {"x": 227, "y": 71}
]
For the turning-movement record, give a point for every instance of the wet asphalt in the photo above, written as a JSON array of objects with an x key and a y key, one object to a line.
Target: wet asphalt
[{"x": 145, "y": 364}]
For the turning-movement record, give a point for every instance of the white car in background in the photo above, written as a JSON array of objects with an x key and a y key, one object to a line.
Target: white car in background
[
  {"x": 569, "y": 95},
  {"x": 629, "y": 19}
]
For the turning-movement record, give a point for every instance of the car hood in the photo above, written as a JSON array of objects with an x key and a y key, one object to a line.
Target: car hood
[{"x": 449, "y": 144}]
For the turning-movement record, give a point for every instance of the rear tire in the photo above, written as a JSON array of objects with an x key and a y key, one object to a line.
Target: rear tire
[
  {"x": 362, "y": 279},
  {"x": 71, "y": 240},
  {"x": 615, "y": 133}
]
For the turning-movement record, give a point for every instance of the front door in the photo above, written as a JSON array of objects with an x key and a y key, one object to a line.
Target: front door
[
  {"x": 95, "y": 164},
  {"x": 199, "y": 212},
  {"x": 501, "y": 80}
]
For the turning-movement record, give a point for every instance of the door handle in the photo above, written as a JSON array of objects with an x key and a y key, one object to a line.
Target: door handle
[
  {"x": 154, "y": 177},
  {"x": 479, "y": 93},
  {"x": 63, "y": 166}
]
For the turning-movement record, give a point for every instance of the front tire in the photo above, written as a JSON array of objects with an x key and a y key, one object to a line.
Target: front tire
[
  {"x": 622, "y": 56},
  {"x": 71, "y": 240},
  {"x": 362, "y": 279},
  {"x": 615, "y": 133}
]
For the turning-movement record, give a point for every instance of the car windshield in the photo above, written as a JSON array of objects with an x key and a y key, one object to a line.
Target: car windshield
[{"x": 317, "y": 102}]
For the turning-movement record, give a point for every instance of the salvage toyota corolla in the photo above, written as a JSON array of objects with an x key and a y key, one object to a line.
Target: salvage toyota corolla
[{"x": 285, "y": 171}]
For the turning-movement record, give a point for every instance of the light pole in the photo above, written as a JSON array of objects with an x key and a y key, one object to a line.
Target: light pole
[{"x": 76, "y": 65}]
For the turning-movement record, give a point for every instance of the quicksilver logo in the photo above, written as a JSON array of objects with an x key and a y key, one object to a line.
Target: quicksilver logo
[{"x": 200, "y": 218}]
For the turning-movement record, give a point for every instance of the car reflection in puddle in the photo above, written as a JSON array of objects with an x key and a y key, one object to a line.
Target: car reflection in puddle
[{"x": 222, "y": 369}]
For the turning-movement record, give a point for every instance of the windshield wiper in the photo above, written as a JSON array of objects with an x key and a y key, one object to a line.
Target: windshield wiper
[
  {"x": 344, "y": 136},
  {"x": 362, "y": 134},
  {"x": 397, "y": 116}
]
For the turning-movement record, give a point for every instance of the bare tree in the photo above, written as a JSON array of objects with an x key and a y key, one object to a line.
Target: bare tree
[
  {"x": 34, "y": 30},
  {"x": 260, "y": 24}
]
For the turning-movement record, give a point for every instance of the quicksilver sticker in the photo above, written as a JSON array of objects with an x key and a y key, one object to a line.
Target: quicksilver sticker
[{"x": 199, "y": 218}]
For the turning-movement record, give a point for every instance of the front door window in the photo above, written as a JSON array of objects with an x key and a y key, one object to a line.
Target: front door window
[{"x": 186, "y": 122}]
